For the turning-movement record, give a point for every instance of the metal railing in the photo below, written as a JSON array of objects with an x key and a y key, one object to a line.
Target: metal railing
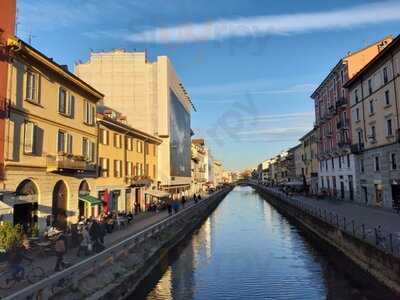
[
  {"x": 375, "y": 236},
  {"x": 46, "y": 288}
]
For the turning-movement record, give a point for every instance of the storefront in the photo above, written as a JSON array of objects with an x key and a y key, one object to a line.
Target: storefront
[
  {"x": 91, "y": 206},
  {"x": 25, "y": 212}
]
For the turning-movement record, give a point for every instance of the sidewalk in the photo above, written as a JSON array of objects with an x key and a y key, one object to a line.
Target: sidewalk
[
  {"x": 370, "y": 216},
  {"x": 139, "y": 223}
]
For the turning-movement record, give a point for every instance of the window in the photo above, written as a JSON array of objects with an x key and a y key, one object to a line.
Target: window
[
  {"x": 129, "y": 169},
  {"x": 377, "y": 167},
  {"x": 326, "y": 165},
  {"x": 139, "y": 169},
  {"x": 373, "y": 132},
  {"x": 104, "y": 167},
  {"x": 385, "y": 75},
  {"x": 340, "y": 162},
  {"x": 393, "y": 162},
  {"x": 129, "y": 142},
  {"x": 117, "y": 140},
  {"x": 371, "y": 106},
  {"x": 66, "y": 103},
  {"x": 64, "y": 142},
  {"x": 104, "y": 137},
  {"x": 389, "y": 129},
  {"x": 139, "y": 146},
  {"x": 62, "y": 101},
  {"x": 146, "y": 148},
  {"x": 32, "y": 139},
  {"x": 154, "y": 149},
  {"x": 370, "y": 86},
  {"x": 362, "y": 165},
  {"x": 88, "y": 150},
  {"x": 89, "y": 110},
  {"x": 32, "y": 87},
  {"x": 357, "y": 114},
  {"x": 348, "y": 160},
  {"x": 333, "y": 163},
  {"x": 387, "y": 97},
  {"x": 356, "y": 95},
  {"x": 146, "y": 169},
  {"x": 154, "y": 171},
  {"x": 117, "y": 168},
  {"x": 360, "y": 136}
]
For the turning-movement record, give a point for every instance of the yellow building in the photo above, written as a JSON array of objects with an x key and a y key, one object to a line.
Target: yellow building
[
  {"x": 128, "y": 164},
  {"x": 50, "y": 140},
  {"x": 309, "y": 147}
]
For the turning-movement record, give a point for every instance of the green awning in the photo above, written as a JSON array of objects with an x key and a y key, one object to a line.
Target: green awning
[{"x": 90, "y": 200}]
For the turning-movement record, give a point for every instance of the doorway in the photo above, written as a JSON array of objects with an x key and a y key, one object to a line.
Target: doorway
[{"x": 60, "y": 203}]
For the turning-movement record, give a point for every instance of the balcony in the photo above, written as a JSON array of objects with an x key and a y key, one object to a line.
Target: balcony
[
  {"x": 332, "y": 109},
  {"x": 357, "y": 148},
  {"x": 341, "y": 102},
  {"x": 67, "y": 162},
  {"x": 344, "y": 124}
]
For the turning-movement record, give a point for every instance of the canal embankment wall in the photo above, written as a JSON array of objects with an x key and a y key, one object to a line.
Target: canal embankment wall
[
  {"x": 369, "y": 266},
  {"x": 119, "y": 278}
]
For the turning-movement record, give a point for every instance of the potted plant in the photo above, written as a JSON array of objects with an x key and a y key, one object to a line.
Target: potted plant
[{"x": 9, "y": 236}]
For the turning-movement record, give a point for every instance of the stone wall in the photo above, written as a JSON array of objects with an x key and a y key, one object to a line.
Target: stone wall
[
  {"x": 119, "y": 278},
  {"x": 365, "y": 264}
]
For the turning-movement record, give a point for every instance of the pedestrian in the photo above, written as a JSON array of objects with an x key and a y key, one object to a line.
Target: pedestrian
[
  {"x": 183, "y": 201},
  {"x": 195, "y": 198},
  {"x": 60, "y": 249},
  {"x": 169, "y": 207},
  {"x": 176, "y": 207},
  {"x": 85, "y": 241}
]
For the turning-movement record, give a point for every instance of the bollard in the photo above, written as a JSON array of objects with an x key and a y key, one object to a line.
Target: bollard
[
  {"x": 354, "y": 231},
  {"x": 363, "y": 231}
]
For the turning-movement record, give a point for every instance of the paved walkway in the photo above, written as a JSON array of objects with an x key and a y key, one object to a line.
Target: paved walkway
[
  {"x": 139, "y": 223},
  {"x": 372, "y": 217}
]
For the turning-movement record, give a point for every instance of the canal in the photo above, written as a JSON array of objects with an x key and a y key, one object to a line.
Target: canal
[{"x": 246, "y": 250}]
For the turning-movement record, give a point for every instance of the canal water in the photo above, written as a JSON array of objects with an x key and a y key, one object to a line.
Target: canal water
[{"x": 246, "y": 250}]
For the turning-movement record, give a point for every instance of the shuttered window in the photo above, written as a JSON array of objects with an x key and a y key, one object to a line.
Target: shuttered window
[{"x": 29, "y": 137}]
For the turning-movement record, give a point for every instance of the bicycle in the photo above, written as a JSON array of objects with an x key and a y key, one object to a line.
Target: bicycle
[{"x": 32, "y": 274}]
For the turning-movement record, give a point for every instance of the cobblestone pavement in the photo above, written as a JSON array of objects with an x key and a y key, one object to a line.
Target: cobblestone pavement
[{"x": 139, "y": 223}]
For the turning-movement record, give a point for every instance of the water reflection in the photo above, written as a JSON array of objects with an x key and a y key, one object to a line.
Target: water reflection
[{"x": 245, "y": 250}]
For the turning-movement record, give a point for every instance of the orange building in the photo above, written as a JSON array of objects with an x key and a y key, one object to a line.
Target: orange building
[{"x": 7, "y": 29}]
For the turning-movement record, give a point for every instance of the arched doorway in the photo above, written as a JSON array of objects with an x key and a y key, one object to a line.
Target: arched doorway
[
  {"x": 60, "y": 203},
  {"x": 83, "y": 190},
  {"x": 26, "y": 205}
]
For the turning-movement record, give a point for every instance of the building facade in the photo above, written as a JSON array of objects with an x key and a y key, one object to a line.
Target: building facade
[
  {"x": 154, "y": 100},
  {"x": 374, "y": 99},
  {"x": 50, "y": 139},
  {"x": 332, "y": 111},
  {"x": 309, "y": 151},
  {"x": 198, "y": 167},
  {"x": 7, "y": 30},
  {"x": 127, "y": 180}
]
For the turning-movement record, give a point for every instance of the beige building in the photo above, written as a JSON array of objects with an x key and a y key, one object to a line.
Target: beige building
[
  {"x": 198, "y": 167},
  {"x": 309, "y": 147},
  {"x": 374, "y": 99},
  {"x": 155, "y": 101},
  {"x": 128, "y": 164},
  {"x": 50, "y": 142}
]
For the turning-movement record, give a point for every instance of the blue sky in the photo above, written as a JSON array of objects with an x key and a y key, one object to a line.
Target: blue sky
[{"x": 249, "y": 65}]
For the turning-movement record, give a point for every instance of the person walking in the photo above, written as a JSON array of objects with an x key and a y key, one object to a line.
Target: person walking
[
  {"x": 169, "y": 207},
  {"x": 60, "y": 249},
  {"x": 85, "y": 241},
  {"x": 195, "y": 198},
  {"x": 183, "y": 201}
]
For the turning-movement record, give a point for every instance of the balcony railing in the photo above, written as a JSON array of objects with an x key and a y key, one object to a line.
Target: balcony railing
[
  {"x": 357, "y": 148},
  {"x": 341, "y": 102},
  {"x": 344, "y": 124},
  {"x": 69, "y": 162}
]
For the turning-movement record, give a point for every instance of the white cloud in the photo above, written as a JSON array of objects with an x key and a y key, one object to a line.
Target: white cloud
[{"x": 373, "y": 13}]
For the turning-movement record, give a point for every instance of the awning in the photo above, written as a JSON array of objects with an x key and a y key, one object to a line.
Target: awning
[
  {"x": 91, "y": 200},
  {"x": 158, "y": 194},
  {"x": 141, "y": 182}
]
